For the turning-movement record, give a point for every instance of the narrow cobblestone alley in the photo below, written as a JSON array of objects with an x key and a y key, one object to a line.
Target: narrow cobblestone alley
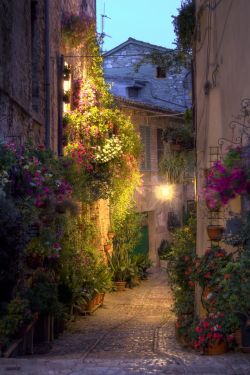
[{"x": 133, "y": 333}]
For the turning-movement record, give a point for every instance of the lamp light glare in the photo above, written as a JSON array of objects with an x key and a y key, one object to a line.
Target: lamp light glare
[{"x": 165, "y": 192}]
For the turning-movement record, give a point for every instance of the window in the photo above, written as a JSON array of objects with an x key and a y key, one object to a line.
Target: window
[
  {"x": 160, "y": 145},
  {"x": 133, "y": 92},
  {"x": 161, "y": 72},
  {"x": 145, "y": 138}
]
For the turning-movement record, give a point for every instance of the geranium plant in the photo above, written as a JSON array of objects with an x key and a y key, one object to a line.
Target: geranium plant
[
  {"x": 211, "y": 330},
  {"x": 209, "y": 265}
]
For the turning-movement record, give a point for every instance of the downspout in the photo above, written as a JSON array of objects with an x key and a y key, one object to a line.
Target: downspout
[{"x": 47, "y": 74}]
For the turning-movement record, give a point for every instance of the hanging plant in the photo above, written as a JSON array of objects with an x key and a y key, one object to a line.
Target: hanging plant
[{"x": 226, "y": 179}]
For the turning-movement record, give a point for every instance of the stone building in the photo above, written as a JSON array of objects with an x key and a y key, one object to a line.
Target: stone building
[
  {"x": 154, "y": 99},
  {"x": 30, "y": 69}
]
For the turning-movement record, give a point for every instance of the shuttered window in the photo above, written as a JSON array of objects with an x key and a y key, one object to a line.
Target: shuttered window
[
  {"x": 145, "y": 138},
  {"x": 160, "y": 145}
]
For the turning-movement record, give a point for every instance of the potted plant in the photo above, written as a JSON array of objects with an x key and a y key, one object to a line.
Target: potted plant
[
  {"x": 172, "y": 166},
  {"x": 209, "y": 265},
  {"x": 179, "y": 137},
  {"x": 210, "y": 334},
  {"x": 121, "y": 269},
  {"x": 226, "y": 179}
]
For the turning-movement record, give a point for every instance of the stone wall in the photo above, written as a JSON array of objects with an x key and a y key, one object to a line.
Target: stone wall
[
  {"x": 172, "y": 92},
  {"x": 22, "y": 69}
]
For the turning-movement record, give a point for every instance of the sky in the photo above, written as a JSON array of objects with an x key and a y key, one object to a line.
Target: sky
[{"x": 146, "y": 20}]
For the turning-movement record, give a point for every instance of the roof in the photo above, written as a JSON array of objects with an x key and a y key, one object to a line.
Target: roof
[
  {"x": 136, "y": 42},
  {"x": 143, "y": 105}
]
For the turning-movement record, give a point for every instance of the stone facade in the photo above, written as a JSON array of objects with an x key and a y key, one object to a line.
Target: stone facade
[
  {"x": 171, "y": 92},
  {"x": 22, "y": 67}
]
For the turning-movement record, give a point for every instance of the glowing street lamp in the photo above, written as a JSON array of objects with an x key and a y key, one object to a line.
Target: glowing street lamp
[{"x": 165, "y": 192}]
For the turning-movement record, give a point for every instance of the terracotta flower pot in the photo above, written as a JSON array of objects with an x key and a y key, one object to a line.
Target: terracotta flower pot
[
  {"x": 120, "y": 285},
  {"x": 175, "y": 147},
  {"x": 107, "y": 248},
  {"x": 111, "y": 235},
  {"x": 34, "y": 261},
  {"x": 238, "y": 337},
  {"x": 216, "y": 348},
  {"x": 215, "y": 232}
]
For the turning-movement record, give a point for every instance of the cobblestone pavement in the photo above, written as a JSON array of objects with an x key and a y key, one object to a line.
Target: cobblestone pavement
[{"x": 133, "y": 333}]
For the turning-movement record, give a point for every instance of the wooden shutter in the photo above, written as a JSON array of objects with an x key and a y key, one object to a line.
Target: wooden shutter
[{"x": 145, "y": 138}]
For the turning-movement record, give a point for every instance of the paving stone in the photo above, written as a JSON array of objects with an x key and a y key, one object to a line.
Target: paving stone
[{"x": 133, "y": 333}]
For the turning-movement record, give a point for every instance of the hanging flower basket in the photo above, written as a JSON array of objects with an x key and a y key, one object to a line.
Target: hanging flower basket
[{"x": 215, "y": 232}]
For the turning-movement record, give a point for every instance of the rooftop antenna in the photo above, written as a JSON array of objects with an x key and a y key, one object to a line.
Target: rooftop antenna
[{"x": 103, "y": 34}]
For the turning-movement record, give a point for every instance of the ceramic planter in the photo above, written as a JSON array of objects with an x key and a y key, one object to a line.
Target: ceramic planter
[{"x": 215, "y": 232}]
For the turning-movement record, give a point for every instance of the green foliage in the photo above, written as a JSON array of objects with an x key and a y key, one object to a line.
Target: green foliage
[
  {"x": 184, "y": 25},
  {"x": 17, "y": 315},
  {"x": 128, "y": 232},
  {"x": 180, "y": 134},
  {"x": 172, "y": 167},
  {"x": 142, "y": 263},
  {"x": 121, "y": 265},
  {"x": 184, "y": 301},
  {"x": 164, "y": 250}
]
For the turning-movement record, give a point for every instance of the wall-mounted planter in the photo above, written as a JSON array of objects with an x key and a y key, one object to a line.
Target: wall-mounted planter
[{"x": 215, "y": 232}]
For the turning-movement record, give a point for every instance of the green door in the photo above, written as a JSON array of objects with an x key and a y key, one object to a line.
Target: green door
[{"x": 143, "y": 245}]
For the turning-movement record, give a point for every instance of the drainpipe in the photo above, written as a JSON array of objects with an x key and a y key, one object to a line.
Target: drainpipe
[{"x": 47, "y": 75}]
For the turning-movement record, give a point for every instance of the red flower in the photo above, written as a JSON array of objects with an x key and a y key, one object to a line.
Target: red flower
[
  {"x": 227, "y": 276},
  {"x": 208, "y": 275}
]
